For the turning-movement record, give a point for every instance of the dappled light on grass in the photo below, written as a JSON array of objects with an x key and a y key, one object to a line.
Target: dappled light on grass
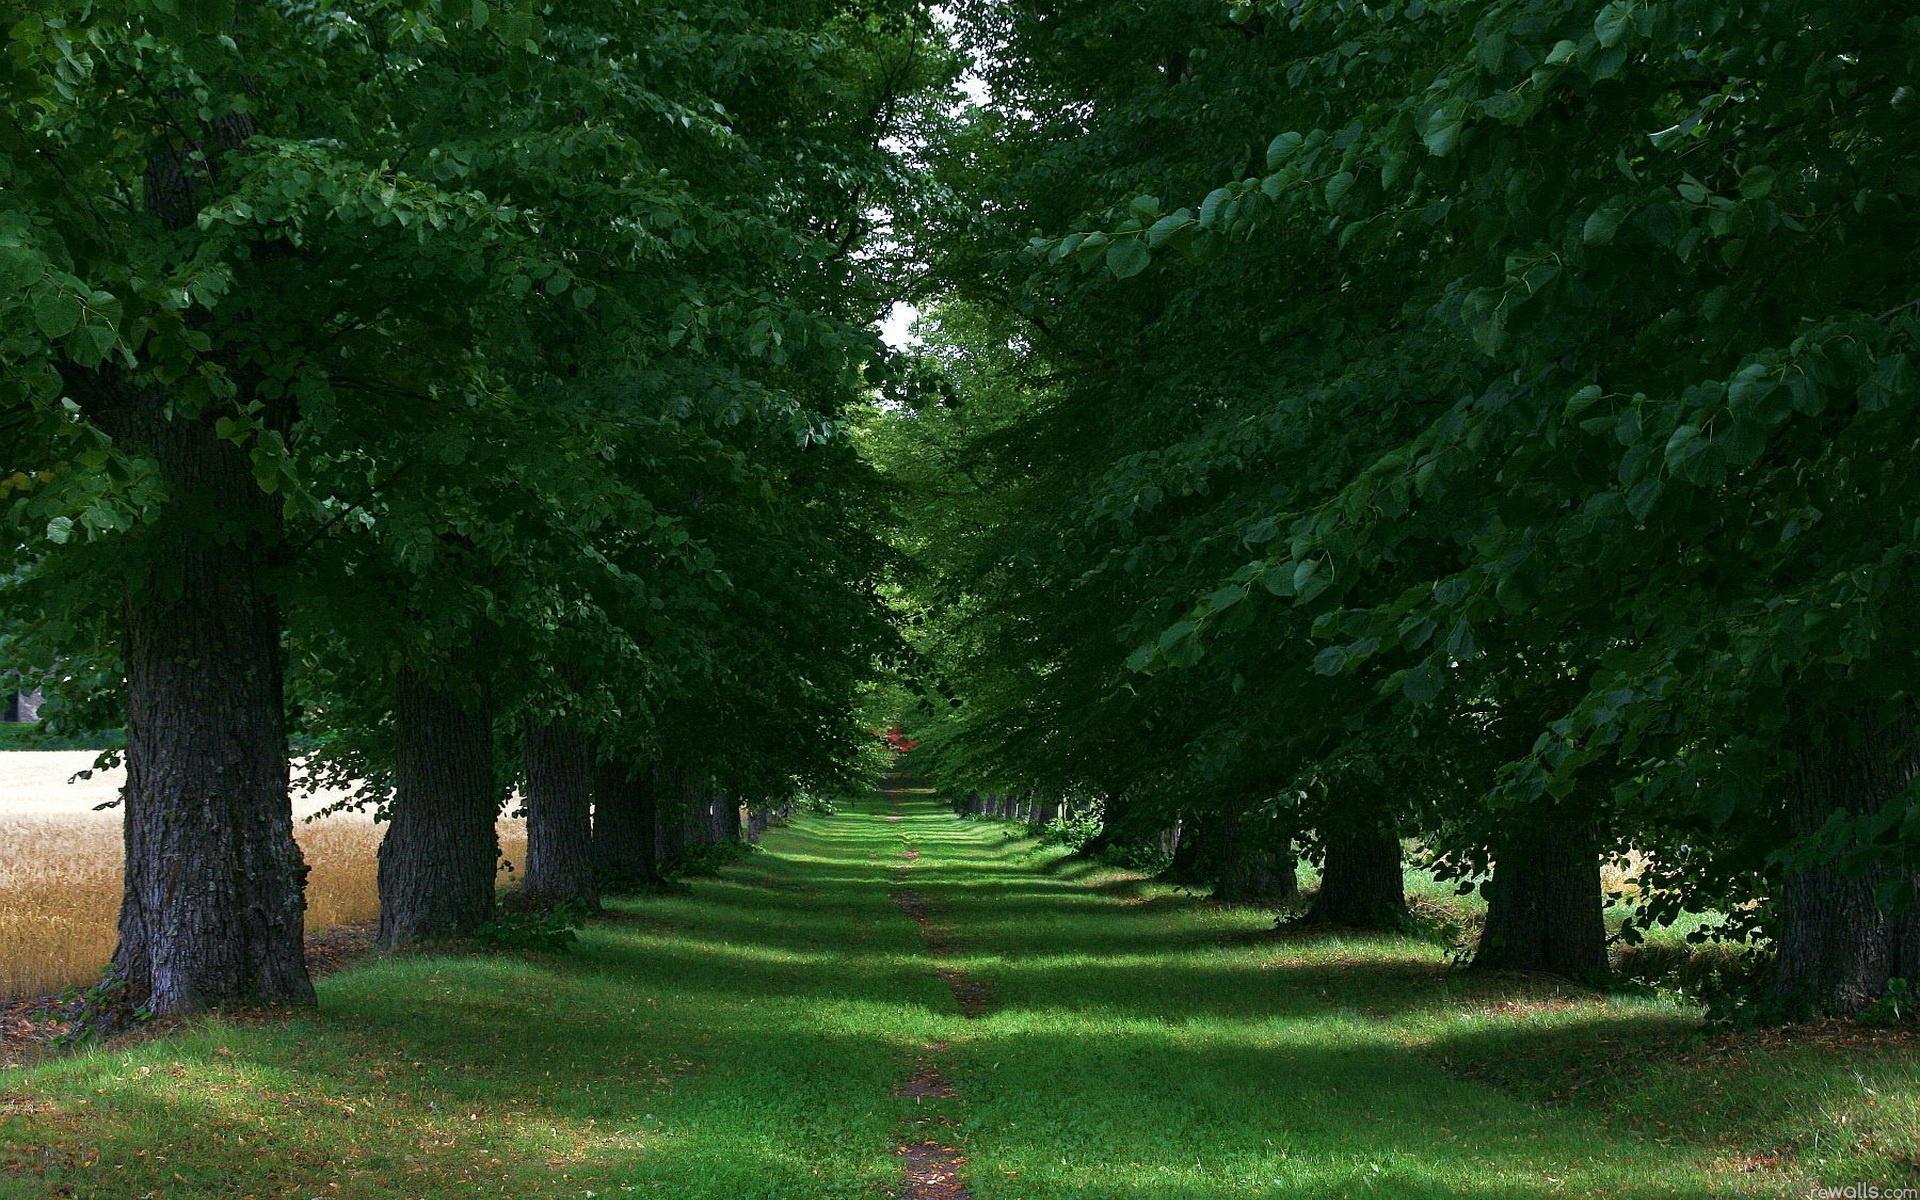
[{"x": 748, "y": 1038}]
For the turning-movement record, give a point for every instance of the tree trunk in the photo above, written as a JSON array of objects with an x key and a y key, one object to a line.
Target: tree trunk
[
  {"x": 726, "y": 817},
  {"x": 1249, "y": 868},
  {"x": 212, "y": 905},
  {"x": 1838, "y": 946},
  {"x": 559, "y": 817},
  {"x": 1193, "y": 851},
  {"x": 1360, "y": 880},
  {"x": 440, "y": 854},
  {"x": 1545, "y": 911},
  {"x": 697, "y": 814},
  {"x": 1113, "y": 816},
  {"x": 669, "y": 819},
  {"x": 624, "y": 856}
]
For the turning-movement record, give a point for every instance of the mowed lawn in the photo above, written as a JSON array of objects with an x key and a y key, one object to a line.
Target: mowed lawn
[{"x": 745, "y": 1039}]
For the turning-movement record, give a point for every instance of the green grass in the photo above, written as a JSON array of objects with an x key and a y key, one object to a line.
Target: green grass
[{"x": 743, "y": 1040}]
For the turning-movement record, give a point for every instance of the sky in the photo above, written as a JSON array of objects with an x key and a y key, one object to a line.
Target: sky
[{"x": 895, "y": 326}]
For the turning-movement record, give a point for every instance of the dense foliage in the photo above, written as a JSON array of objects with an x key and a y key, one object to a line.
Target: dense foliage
[{"x": 1484, "y": 422}]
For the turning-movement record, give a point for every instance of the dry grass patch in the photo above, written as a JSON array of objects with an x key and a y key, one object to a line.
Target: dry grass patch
[{"x": 60, "y": 890}]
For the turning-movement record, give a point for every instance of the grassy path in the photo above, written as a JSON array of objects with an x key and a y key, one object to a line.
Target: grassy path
[{"x": 750, "y": 1039}]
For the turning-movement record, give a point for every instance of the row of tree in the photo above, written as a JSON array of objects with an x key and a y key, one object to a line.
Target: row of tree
[
  {"x": 457, "y": 392},
  {"x": 1485, "y": 427}
]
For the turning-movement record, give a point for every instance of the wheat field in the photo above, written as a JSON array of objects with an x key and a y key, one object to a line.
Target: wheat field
[{"x": 60, "y": 869}]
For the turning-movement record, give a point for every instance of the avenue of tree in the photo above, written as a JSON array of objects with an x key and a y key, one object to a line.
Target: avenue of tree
[{"x": 1471, "y": 433}]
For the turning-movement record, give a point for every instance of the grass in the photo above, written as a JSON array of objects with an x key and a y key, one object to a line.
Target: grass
[
  {"x": 60, "y": 890},
  {"x": 743, "y": 1040}
]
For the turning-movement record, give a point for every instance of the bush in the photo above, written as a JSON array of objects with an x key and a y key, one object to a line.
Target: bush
[
  {"x": 1073, "y": 832},
  {"x": 1897, "y": 1005},
  {"x": 1148, "y": 858},
  {"x": 702, "y": 861},
  {"x": 551, "y": 929}
]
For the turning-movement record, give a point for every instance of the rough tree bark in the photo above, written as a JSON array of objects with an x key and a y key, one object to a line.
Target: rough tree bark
[
  {"x": 696, "y": 814},
  {"x": 1838, "y": 947},
  {"x": 1360, "y": 880},
  {"x": 1193, "y": 851},
  {"x": 1545, "y": 911},
  {"x": 624, "y": 822},
  {"x": 669, "y": 821},
  {"x": 559, "y": 817},
  {"x": 212, "y": 904},
  {"x": 725, "y": 812},
  {"x": 440, "y": 854},
  {"x": 1249, "y": 868}
]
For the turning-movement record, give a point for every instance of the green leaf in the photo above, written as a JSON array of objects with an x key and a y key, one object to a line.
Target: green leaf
[
  {"x": 1610, "y": 25},
  {"x": 19, "y": 269},
  {"x": 1582, "y": 400},
  {"x": 1282, "y": 148},
  {"x": 59, "y": 530},
  {"x": 1210, "y": 207},
  {"x": 55, "y": 311},
  {"x": 1680, "y": 438},
  {"x": 1421, "y": 684},
  {"x": 1561, "y": 52},
  {"x": 1177, "y": 632},
  {"x": 1226, "y": 597},
  {"x": 1168, "y": 225},
  {"x": 1127, "y": 258},
  {"x": 1442, "y": 131},
  {"x": 1601, "y": 226},
  {"x": 1641, "y": 499},
  {"x": 1756, "y": 183},
  {"x": 1338, "y": 187},
  {"x": 1460, "y": 644},
  {"x": 1503, "y": 106},
  {"x": 1330, "y": 661}
]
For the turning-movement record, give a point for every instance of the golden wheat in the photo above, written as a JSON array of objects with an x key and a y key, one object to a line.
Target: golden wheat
[{"x": 60, "y": 889}]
